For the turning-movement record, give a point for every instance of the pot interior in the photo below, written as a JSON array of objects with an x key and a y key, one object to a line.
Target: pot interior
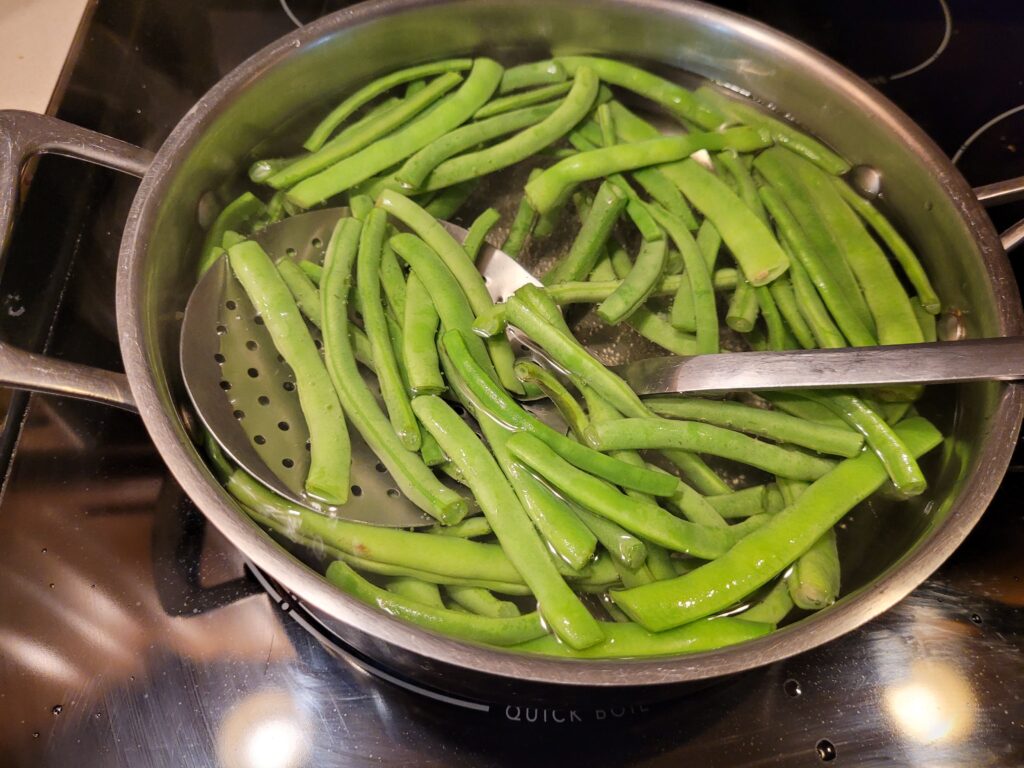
[{"x": 265, "y": 108}]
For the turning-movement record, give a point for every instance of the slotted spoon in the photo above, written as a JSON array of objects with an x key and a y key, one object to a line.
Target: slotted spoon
[{"x": 244, "y": 392}]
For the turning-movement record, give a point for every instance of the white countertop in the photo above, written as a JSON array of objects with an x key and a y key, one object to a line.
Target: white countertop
[{"x": 35, "y": 37}]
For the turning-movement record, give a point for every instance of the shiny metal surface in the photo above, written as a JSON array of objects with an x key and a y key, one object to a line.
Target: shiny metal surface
[
  {"x": 279, "y": 88},
  {"x": 943, "y": 362},
  {"x": 274, "y": 92}
]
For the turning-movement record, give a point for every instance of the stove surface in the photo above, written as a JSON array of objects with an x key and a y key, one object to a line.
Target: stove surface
[{"x": 132, "y": 634}]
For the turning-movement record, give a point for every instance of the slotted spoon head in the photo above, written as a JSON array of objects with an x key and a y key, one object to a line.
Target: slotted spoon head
[{"x": 244, "y": 392}]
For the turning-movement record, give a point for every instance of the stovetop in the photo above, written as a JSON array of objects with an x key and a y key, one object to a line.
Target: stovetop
[{"x": 132, "y": 634}]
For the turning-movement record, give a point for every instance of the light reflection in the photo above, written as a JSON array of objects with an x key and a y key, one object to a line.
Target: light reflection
[
  {"x": 265, "y": 730},
  {"x": 934, "y": 704}
]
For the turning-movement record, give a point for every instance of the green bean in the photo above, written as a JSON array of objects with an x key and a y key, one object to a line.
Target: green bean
[
  {"x": 782, "y": 132},
  {"x": 779, "y": 337},
  {"x": 363, "y": 565},
  {"x": 743, "y": 503},
  {"x": 835, "y": 297},
  {"x": 412, "y": 476},
  {"x": 351, "y": 143},
  {"x": 773, "y": 425},
  {"x": 520, "y": 229},
  {"x": 447, "y": 202},
  {"x": 634, "y": 577},
  {"x": 886, "y": 298},
  {"x": 305, "y": 293},
  {"x": 396, "y": 146},
  {"x": 330, "y": 452},
  {"x": 790, "y": 489},
  {"x": 826, "y": 334},
  {"x": 375, "y": 88},
  {"x": 418, "y": 167},
  {"x": 785, "y": 299},
  {"x": 396, "y": 401},
  {"x": 591, "y": 238},
  {"x": 417, "y": 589},
  {"x": 568, "y": 408},
  {"x": 677, "y": 100},
  {"x": 482, "y": 602},
  {"x": 708, "y": 242},
  {"x": 510, "y": 631},
  {"x": 532, "y": 74},
  {"x": 420, "y": 343},
  {"x": 903, "y": 253},
  {"x": 313, "y": 271},
  {"x": 359, "y": 206},
  {"x": 641, "y": 518},
  {"x": 903, "y": 470},
  {"x": 813, "y": 582},
  {"x": 695, "y": 507},
  {"x": 548, "y": 222},
  {"x": 660, "y": 562},
  {"x": 628, "y": 640},
  {"x": 469, "y": 280},
  {"x": 557, "y": 182},
  {"x": 476, "y": 235},
  {"x": 561, "y": 608},
  {"x": 521, "y": 100},
  {"x": 743, "y": 308},
  {"x": 795, "y": 404},
  {"x": 470, "y": 528},
  {"x": 625, "y": 548},
  {"x": 773, "y": 608},
  {"x": 640, "y": 434},
  {"x": 392, "y": 281},
  {"x": 606, "y": 124},
  {"x": 263, "y": 169},
  {"x": 502, "y": 407},
  {"x": 235, "y": 215},
  {"x": 637, "y": 285},
  {"x": 698, "y": 281},
  {"x": 522, "y": 145},
  {"x": 763, "y": 554},
  {"x": 929, "y": 329}
]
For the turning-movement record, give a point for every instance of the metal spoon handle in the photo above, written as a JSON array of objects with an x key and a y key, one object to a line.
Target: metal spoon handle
[{"x": 1000, "y": 359}]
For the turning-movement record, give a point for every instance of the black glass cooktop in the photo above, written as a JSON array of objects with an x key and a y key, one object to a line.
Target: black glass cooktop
[{"x": 131, "y": 634}]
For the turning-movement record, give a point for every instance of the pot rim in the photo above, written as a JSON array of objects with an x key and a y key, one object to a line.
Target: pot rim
[{"x": 165, "y": 427}]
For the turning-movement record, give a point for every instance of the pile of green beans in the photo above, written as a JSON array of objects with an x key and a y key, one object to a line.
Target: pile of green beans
[{"x": 618, "y": 538}]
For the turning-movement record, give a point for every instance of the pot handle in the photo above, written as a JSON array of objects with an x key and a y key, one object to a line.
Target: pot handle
[
  {"x": 1008, "y": 191},
  {"x": 23, "y": 135}
]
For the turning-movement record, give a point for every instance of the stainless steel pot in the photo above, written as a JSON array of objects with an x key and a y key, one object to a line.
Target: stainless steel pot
[{"x": 277, "y": 93}]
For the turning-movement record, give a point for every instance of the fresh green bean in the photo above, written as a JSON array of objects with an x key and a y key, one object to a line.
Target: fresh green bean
[
  {"x": 521, "y": 100},
  {"x": 779, "y": 337},
  {"x": 522, "y": 145},
  {"x": 660, "y": 563},
  {"x": 695, "y": 507},
  {"x": 813, "y": 582},
  {"x": 826, "y": 334},
  {"x": 418, "y": 167},
  {"x": 639, "y": 517},
  {"x": 773, "y": 425},
  {"x": 416, "y": 589},
  {"x": 392, "y": 391},
  {"x": 929, "y": 329},
  {"x": 633, "y": 577},
  {"x": 263, "y": 169},
  {"x": 476, "y": 235},
  {"x": 396, "y": 146},
  {"x": 743, "y": 503},
  {"x": 351, "y": 143},
  {"x": 420, "y": 347},
  {"x": 469, "y": 280},
  {"x": 679, "y": 102},
  {"x": 330, "y": 452},
  {"x": 903, "y": 470},
  {"x": 743, "y": 308},
  {"x": 903, "y": 253},
  {"x": 632, "y": 641},
  {"x": 625, "y": 548},
  {"x": 521, "y": 227},
  {"x": 635, "y": 288},
  {"x": 708, "y": 242},
  {"x": 795, "y": 404},
  {"x": 548, "y": 222},
  {"x": 467, "y": 626},
  {"x": 807, "y": 253},
  {"x": 305, "y": 293},
  {"x": 412, "y": 476},
  {"x": 606, "y": 123},
  {"x": 773, "y": 608},
  {"x": 568, "y": 408},
  {"x": 359, "y": 206},
  {"x": 763, "y": 554},
  {"x": 556, "y": 183},
  {"x": 640, "y": 434},
  {"x": 561, "y": 608},
  {"x": 375, "y": 88},
  {"x": 502, "y": 407},
  {"x": 313, "y": 271},
  {"x": 782, "y": 132},
  {"x": 785, "y": 299},
  {"x": 392, "y": 281},
  {"x": 470, "y": 528},
  {"x": 532, "y": 74},
  {"x": 482, "y": 602},
  {"x": 236, "y": 215},
  {"x": 447, "y": 202},
  {"x": 591, "y": 238}
]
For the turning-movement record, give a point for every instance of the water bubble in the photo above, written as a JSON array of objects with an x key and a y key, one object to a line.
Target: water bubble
[
  {"x": 826, "y": 751},
  {"x": 792, "y": 688},
  {"x": 57, "y": 709}
]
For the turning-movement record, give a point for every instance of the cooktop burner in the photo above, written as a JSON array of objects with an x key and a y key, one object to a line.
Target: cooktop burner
[{"x": 133, "y": 634}]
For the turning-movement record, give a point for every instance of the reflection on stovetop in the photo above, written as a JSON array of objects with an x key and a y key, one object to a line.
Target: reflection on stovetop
[{"x": 131, "y": 633}]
